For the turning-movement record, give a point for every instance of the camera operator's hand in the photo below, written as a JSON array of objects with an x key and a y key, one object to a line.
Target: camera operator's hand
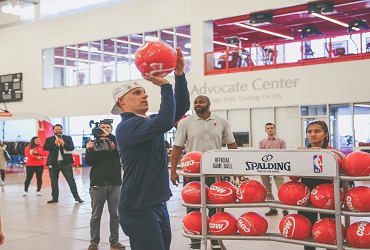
[
  {"x": 89, "y": 144},
  {"x": 105, "y": 132}
]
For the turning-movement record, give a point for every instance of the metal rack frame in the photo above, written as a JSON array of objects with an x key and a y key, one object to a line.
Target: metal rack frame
[{"x": 299, "y": 165}]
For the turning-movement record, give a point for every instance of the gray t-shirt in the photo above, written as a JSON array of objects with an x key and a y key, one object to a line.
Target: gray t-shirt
[{"x": 203, "y": 135}]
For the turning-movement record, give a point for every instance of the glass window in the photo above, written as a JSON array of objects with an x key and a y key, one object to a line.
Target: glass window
[
  {"x": 59, "y": 67},
  {"x": 107, "y": 60},
  {"x": 151, "y": 36},
  {"x": 83, "y": 75},
  {"x": 71, "y": 65},
  {"x": 123, "y": 56},
  {"x": 13, "y": 133},
  {"x": 96, "y": 73},
  {"x": 109, "y": 63},
  {"x": 48, "y": 68},
  {"x": 313, "y": 110},
  {"x": 136, "y": 40},
  {"x": 341, "y": 127},
  {"x": 183, "y": 41},
  {"x": 167, "y": 36},
  {"x": 362, "y": 124},
  {"x": 80, "y": 127}
]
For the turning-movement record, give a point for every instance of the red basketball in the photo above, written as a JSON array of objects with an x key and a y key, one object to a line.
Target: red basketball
[
  {"x": 155, "y": 58},
  {"x": 252, "y": 224},
  {"x": 294, "y": 193},
  {"x": 358, "y": 234},
  {"x": 192, "y": 223},
  {"x": 222, "y": 192},
  {"x": 339, "y": 160},
  {"x": 295, "y": 178},
  {"x": 324, "y": 231},
  {"x": 223, "y": 223},
  {"x": 295, "y": 226},
  {"x": 357, "y": 199},
  {"x": 190, "y": 163},
  {"x": 322, "y": 196},
  {"x": 191, "y": 193},
  {"x": 251, "y": 191},
  {"x": 357, "y": 164}
]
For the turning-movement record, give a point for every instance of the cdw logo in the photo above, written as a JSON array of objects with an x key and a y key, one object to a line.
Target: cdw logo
[{"x": 219, "y": 226}]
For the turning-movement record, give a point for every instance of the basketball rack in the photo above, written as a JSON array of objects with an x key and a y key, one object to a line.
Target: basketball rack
[{"x": 290, "y": 162}]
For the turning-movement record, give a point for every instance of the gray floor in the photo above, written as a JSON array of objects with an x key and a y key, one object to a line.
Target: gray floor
[{"x": 29, "y": 222}]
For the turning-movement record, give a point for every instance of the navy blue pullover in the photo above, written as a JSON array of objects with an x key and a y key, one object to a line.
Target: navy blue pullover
[{"x": 142, "y": 149}]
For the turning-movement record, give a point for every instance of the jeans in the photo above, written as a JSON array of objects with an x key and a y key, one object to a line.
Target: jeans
[
  {"x": 99, "y": 195},
  {"x": 68, "y": 174},
  {"x": 30, "y": 171},
  {"x": 147, "y": 228}
]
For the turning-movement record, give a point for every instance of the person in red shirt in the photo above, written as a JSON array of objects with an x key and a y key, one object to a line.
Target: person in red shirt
[{"x": 34, "y": 164}]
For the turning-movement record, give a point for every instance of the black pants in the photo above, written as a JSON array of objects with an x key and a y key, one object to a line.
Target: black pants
[
  {"x": 2, "y": 174},
  {"x": 68, "y": 174},
  {"x": 211, "y": 211},
  {"x": 30, "y": 171},
  {"x": 313, "y": 217}
]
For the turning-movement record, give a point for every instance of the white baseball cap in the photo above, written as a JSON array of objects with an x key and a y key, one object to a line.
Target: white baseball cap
[{"x": 121, "y": 91}]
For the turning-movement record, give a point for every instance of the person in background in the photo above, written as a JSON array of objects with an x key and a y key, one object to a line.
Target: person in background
[
  {"x": 145, "y": 188},
  {"x": 272, "y": 142},
  {"x": 105, "y": 184},
  {"x": 3, "y": 163},
  {"x": 2, "y": 238},
  {"x": 35, "y": 164},
  {"x": 60, "y": 159},
  {"x": 202, "y": 131},
  {"x": 318, "y": 136}
]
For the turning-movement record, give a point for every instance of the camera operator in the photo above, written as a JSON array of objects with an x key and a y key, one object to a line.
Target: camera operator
[{"x": 105, "y": 182}]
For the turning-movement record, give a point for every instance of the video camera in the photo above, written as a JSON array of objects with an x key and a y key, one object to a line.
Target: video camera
[{"x": 100, "y": 143}]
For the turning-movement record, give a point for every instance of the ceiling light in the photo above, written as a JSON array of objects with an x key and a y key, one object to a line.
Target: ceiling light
[
  {"x": 232, "y": 40},
  {"x": 357, "y": 25},
  {"x": 151, "y": 38},
  {"x": 225, "y": 44},
  {"x": 187, "y": 45},
  {"x": 123, "y": 41},
  {"x": 320, "y": 7},
  {"x": 330, "y": 19},
  {"x": 264, "y": 31},
  {"x": 177, "y": 34},
  {"x": 310, "y": 30}
]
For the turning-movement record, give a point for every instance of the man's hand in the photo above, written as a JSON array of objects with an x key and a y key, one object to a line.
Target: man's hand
[
  {"x": 156, "y": 80},
  {"x": 175, "y": 179},
  {"x": 90, "y": 144},
  {"x": 179, "y": 70}
]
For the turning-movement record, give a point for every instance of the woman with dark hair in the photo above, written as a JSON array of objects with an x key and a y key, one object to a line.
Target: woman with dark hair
[
  {"x": 318, "y": 135},
  {"x": 35, "y": 164}
]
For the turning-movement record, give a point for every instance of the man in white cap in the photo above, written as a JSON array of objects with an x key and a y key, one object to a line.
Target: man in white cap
[{"x": 145, "y": 187}]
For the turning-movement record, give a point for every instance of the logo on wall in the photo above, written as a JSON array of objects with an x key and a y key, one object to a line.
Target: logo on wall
[{"x": 317, "y": 164}]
